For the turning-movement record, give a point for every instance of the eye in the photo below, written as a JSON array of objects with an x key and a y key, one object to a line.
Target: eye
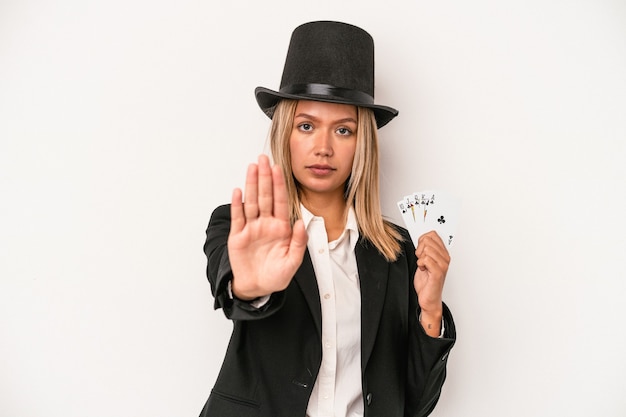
[
  {"x": 305, "y": 127},
  {"x": 344, "y": 131}
]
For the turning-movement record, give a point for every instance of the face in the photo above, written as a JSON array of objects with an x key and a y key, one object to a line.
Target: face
[{"x": 322, "y": 144}]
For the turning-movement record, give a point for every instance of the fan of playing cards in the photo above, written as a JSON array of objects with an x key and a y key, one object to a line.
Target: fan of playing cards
[{"x": 424, "y": 211}]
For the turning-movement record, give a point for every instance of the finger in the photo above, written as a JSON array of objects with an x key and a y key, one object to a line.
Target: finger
[
  {"x": 436, "y": 253},
  {"x": 266, "y": 201},
  {"x": 237, "y": 218},
  {"x": 432, "y": 261},
  {"x": 281, "y": 203},
  {"x": 251, "y": 206},
  {"x": 433, "y": 242},
  {"x": 434, "y": 237},
  {"x": 432, "y": 265},
  {"x": 432, "y": 253}
]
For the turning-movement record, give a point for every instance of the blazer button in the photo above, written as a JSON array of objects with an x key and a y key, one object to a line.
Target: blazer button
[{"x": 368, "y": 398}]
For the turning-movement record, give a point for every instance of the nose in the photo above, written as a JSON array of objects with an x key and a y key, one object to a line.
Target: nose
[{"x": 323, "y": 143}]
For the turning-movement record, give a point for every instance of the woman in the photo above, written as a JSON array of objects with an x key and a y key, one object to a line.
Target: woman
[{"x": 323, "y": 293}]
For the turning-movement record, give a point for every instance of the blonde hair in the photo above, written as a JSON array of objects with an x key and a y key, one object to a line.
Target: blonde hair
[{"x": 362, "y": 189}]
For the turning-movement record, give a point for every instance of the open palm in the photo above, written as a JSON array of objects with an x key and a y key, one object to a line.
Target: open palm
[{"x": 264, "y": 249}]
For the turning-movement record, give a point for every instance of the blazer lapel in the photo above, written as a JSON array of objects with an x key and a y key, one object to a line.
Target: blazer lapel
[
  {"x": 373, "y": 275},
  {"x": 305, "y": 277}
]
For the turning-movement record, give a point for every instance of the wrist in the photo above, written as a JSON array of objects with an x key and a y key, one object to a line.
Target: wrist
[
  {"x": 432, "y": 312},
  {"x": 238, "y": 294},
  {"x": 432, "y": 322},
  {"x": 431, "y": 309},
  {"x": 430, "y": 318}
]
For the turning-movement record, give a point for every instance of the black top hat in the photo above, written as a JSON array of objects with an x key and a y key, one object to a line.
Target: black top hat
[{"x": 328, "y": 61}]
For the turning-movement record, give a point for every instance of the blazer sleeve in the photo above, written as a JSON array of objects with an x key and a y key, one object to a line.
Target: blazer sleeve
[
  {"x": 428, "y": 356},
  {"x": 219, "y": 272}
]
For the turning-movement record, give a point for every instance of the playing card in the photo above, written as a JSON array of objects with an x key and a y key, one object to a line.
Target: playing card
[
  {"x": 442, "y": 215},
  {"x": 432, "y": 210},
  {"x": 424, "y": 200},
  {"x": 408, "y": 210}
]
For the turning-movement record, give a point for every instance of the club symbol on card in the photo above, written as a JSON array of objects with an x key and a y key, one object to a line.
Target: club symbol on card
[{"x": 441, "y": 220}]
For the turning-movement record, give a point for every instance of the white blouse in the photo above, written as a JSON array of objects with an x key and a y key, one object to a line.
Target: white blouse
[{"x": 337, "y": 390}]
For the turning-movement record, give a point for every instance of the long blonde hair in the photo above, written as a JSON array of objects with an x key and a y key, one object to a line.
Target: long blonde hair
[{"x": 362, "y": 189}]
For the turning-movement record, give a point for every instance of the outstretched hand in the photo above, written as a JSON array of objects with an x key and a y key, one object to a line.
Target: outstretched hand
[{"x": 264, "y": 249}]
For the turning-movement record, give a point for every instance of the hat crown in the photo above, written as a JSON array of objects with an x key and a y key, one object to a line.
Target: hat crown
[
  {"x": 330, "y": 62},
  {"x": 328, "y": 53}
]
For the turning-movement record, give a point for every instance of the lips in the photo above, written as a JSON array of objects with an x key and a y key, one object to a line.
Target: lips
[{"x": 321, "y": 169}]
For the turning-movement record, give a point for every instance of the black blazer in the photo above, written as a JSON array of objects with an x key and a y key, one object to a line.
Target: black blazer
[{"x": 274, "y": 353}]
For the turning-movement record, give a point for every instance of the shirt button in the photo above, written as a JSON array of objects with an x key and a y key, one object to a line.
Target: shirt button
[
  {"x": 320, "y": 251},
  {"x": 326, "y": 296},
  {"x": 328, "y": 345}
]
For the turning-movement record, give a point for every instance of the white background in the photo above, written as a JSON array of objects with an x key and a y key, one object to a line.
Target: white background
[{"x": 124, "y": 123}]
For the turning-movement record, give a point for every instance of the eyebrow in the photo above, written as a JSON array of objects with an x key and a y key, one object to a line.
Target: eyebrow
[{"x": 308, "y": 116}]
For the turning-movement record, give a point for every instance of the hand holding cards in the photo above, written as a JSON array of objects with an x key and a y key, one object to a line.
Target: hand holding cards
[{"x": 424, "y": 211}]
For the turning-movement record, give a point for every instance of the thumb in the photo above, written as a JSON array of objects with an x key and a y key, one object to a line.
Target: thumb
[{"x": 299, "y": 239}]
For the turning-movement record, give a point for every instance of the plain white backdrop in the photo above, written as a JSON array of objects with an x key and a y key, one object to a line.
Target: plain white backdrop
[{"x": 124, "y": 123}]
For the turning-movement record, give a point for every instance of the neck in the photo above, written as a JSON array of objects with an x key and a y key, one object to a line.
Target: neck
[{"x": 332, "y": 209}]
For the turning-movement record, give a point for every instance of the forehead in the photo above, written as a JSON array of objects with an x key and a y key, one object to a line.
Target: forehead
[{"x": 321, "y": 109}]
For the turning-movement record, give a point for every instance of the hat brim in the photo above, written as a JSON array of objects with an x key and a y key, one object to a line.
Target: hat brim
[{"x": 268, "y": 99}]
